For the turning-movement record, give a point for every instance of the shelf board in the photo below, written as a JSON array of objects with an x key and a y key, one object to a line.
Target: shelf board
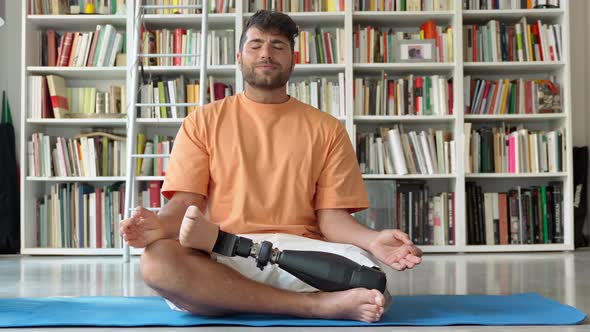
[
  {"x": 412, "y": 18},
  {"x": 435, "y": 249},
  {"x": 78, "y": 122},
  {"x": 516, "y": 247},
  {"x": 160, "y": 122},
  {"x": 514, "y": 117},
  {"x": 215, "y": 21},
  {"x": 511, "y": 67},
  {"x": 77, "y": 22},
  {"x": 512, "y": 14},
  {"x": 72, "y": 251},
  {"x": 90, "y": 73},
  {"x": 410, "y": 67},
  {"x": 149, "y": 178},
  {"x": 312, "y": 18},
  {"x": 76, "y": 178},
  {"x": 223, "y": 70},
  {"x": 407, "y": 176},
  {"x": 402, "y": 118},
  {"x": 515, "y": 175},
  {"x": 318, "y": 69}
]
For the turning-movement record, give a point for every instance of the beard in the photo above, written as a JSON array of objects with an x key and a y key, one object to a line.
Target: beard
[{"x": 271, "y": 80}]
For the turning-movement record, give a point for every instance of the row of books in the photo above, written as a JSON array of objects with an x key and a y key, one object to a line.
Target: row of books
[
  {"x": 374, "y": 44},
  {"x": 177, "y": 91},
  {"x": 511, "y": 96},
  {"x": 499, "y": 41},
  {"x": 158, "y": 145},
  {"x": 320, "y": 46},
  {"x": 509, "y": 4},
  {"x": 75, "y": 7},
  {"x": 403, "y": 5},
  {"x": 215, "y": 6},
  {"x": 99, "y": 48},
  {"x": 90, "y": 154},
  {"x": 532, "y": 215},
  {"x": 321, "y": 93},
  {"x": 392, "y": 151},
  {"x": 515, "y": 150},
  {"x": 429, "y": 219},
  {"x": 46, "y": 99},
  {"x": 297, "y": 5},
  {"x": 78, "y": 215},
  {"x": 149, "y": 195},
  {"x": 220, "y": 47},
  {"x": 409, "y": 95}
]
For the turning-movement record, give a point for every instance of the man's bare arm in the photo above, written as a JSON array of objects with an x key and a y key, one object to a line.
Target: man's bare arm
[
  {"x": 172, "y": 212},
  {"x": 337, "y": 225}
]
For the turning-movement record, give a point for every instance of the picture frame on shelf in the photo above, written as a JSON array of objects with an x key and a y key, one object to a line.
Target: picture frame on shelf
[{"x": 415, "y": 50}]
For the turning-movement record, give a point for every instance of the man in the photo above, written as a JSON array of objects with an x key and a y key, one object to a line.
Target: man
[{"x": 265, "y": 166}]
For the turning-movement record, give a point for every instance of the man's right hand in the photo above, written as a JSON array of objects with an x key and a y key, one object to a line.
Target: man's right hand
[{"x": 143, "y": 228}]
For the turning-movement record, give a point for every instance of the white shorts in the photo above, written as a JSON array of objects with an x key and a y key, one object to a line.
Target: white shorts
[{"x": 276, "y": 277}]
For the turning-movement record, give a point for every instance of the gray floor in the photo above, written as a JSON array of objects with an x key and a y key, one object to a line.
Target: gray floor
[{"x": 564, "y": 277}]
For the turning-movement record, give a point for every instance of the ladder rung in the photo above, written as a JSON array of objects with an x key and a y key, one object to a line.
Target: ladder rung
[
  {"x": 150, "y": 209},
  {"x": 150, "y": 156},
  {"x": 166, "y": 104},
  {"x": 166, "y": 55},
  {"x": 171, "y": 6}
]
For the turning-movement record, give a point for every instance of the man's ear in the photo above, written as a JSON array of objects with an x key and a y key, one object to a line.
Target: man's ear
[{"x": 239, "y": 58}]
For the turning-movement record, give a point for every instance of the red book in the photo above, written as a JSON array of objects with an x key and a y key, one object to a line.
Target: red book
[
  {"x": 450, "y": 101},
  {"x": 51, "y": 48},
  {"x": 154, "y": 191},
  {"x": 219, "y": 90},
  {"x": 66, "y": 48},
  {"x": 429, "y": 29},
  {"x": 46, "y": 107},
  {"x": 178, "y": 33},
  {"x": 93, "y": 46},
  {"x": 328, "y": 47}
]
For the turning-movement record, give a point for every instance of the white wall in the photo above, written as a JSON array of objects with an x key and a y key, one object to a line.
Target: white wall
[
  {"x": 10, "y": 62},
  {"x": 10, "y": 36}
]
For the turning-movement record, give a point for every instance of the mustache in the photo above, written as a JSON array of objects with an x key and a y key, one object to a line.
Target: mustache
[{"x": 267, "y": 62}]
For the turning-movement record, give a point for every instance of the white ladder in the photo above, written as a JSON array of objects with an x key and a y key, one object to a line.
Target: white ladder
[{"x": 131, "y": 181}]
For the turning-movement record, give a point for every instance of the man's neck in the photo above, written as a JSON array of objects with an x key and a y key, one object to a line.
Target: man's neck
[{"x": 275, "y": 96}]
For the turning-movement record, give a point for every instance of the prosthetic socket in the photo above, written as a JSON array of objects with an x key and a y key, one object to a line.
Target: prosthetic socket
[{"x": 322, "y": 270}]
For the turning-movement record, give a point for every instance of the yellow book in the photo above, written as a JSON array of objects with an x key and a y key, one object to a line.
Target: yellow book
[
  {"x": 140, "y": 150},
  {"x": 175, "y": 10},
  {"x": 190, "y": 97},
  {"x": 166, "y": 3},
  {"x": 330, "y": 5}
]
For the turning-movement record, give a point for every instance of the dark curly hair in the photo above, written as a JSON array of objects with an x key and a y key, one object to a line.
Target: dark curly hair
[{"x": 274, "y": 22}]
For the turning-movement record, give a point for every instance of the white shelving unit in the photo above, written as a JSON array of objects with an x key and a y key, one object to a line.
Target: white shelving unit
[
  {"x": 347, "y": 19},
  {"x": 33, "y": 187}
]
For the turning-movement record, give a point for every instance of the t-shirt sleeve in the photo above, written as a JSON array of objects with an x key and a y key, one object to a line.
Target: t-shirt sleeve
[
  {"x": 188, "y": 168},
  {"x": 340, "y": 184}
]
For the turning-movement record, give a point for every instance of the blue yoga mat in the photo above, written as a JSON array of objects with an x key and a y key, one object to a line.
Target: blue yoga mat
[{"x": 426, "y": 310}]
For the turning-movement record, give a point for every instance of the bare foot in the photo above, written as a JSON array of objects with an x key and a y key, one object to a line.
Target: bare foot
[{"x": 356, "y": 304}]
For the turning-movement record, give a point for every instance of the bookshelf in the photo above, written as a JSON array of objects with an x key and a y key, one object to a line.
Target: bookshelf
[{"x": 349, "y": 20}]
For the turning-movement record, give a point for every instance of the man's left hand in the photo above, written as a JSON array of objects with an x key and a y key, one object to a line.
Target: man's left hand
[{"x": 394, "y": 248}]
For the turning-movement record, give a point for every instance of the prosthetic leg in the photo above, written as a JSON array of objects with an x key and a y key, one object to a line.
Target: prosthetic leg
[{"x": 322, "y": 270}]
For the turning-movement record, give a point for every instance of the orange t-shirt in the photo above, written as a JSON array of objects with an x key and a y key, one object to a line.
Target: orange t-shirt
[{"x": 265, "y": 168}]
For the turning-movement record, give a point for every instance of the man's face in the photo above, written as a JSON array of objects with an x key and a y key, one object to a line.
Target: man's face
[{"x": 266, "y": 59}]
